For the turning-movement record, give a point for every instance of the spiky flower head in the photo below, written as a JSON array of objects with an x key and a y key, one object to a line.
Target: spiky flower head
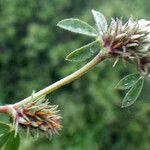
[
  {"x": 38, "y": 116},
  {"x": 129, "y": 40}
]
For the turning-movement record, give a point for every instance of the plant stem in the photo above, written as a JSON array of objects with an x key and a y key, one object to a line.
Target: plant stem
[
  {"x": 77, "y": 74},
  {"x": 5, "y": 109}
]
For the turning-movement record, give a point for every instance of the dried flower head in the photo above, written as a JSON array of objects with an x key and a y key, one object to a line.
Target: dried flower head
[
  {"x": 144, "y": 66},
  {"x": 128, "y": 40},
  {"x": 38, "y": 115}
]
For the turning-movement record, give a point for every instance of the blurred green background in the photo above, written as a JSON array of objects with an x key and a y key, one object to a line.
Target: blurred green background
[{"x": 32, "y": 52}]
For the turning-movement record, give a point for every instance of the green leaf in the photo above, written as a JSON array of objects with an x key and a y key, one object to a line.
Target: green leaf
[
  {"x": 4, "y": 133},
  {"x": 13, "y": 142},
  {"x": 85, "y": 52},
  {"x": 4, "y": 128},
  {"x": 127, "y": 82},
  {"x": 77, "y": 26},
  {"x": 133, "y": 93},
  {"x": 101, "y": 22},
  {"x": 3, "y": 139}
]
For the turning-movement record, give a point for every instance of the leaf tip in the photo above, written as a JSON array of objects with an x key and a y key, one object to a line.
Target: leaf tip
[
  {"x": 125, "y": 105},
  {"x": 66, "y": 59},
  {"x": 116, "y": 88},
  {"x": 58, "y": 24},
  {"x": 93, "y": 11}
]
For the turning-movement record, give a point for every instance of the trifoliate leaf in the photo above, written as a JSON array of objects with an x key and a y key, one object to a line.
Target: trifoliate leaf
[
  {"x": 127, "y": 82},
  {"x": 101, "y": 22},
  {"x": 77, "y": 26},
  {"x": 85, "y": 52},
  {"x": 133, "y": 93},
  {"x": 13, "y": 142}
]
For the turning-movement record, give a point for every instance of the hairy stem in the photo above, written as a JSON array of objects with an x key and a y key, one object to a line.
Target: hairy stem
[
  {"x": 77, "y": 74},
  {"x": 5, "y": 109}
]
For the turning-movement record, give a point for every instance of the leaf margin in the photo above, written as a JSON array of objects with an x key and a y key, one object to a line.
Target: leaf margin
[
  {"x": 94, "y": 34},
  {"x": 101, "y": 21},
  {"x": 118, "y": 87},
  {"x": 129, "y": 92},
  {"x": 83, "y": 48}
]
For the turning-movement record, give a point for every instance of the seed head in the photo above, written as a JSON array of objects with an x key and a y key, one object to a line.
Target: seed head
[{"x": 38, "y": 115}]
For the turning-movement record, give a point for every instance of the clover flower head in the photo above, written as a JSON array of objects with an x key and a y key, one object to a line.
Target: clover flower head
[
  {"x": 38, "y": 115},
  {"x": 128, "y": 39}
]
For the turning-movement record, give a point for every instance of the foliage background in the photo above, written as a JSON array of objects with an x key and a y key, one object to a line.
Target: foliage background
[{"x": 32, "y": 52}]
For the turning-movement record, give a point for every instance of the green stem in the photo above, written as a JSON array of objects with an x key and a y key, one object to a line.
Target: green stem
[{"x": 77, "y": 74}]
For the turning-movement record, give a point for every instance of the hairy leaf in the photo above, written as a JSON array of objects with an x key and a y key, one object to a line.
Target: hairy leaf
[
  {"x": 85, "y": 52},
  {"x": 101, "y": 22},
  {"x": 77, "y": 26}
]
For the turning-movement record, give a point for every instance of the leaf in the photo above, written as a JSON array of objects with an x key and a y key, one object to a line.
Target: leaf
[
  {"x": 4, "y": 133},
  {"x": 101, "y": 22},
  {"x": 3, "y": 139},
  {"x": 4, "y": 128},
  {"x": 85, "y": 52},
  {"x": 133, "y": 93},
  {"x": 77, "y": 26},
  {"x": 13, "y": 142},
  {"x": 127, "y": 82}
]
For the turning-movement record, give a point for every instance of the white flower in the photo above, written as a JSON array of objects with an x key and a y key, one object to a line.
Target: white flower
[{"x": 144, "y": 26}]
